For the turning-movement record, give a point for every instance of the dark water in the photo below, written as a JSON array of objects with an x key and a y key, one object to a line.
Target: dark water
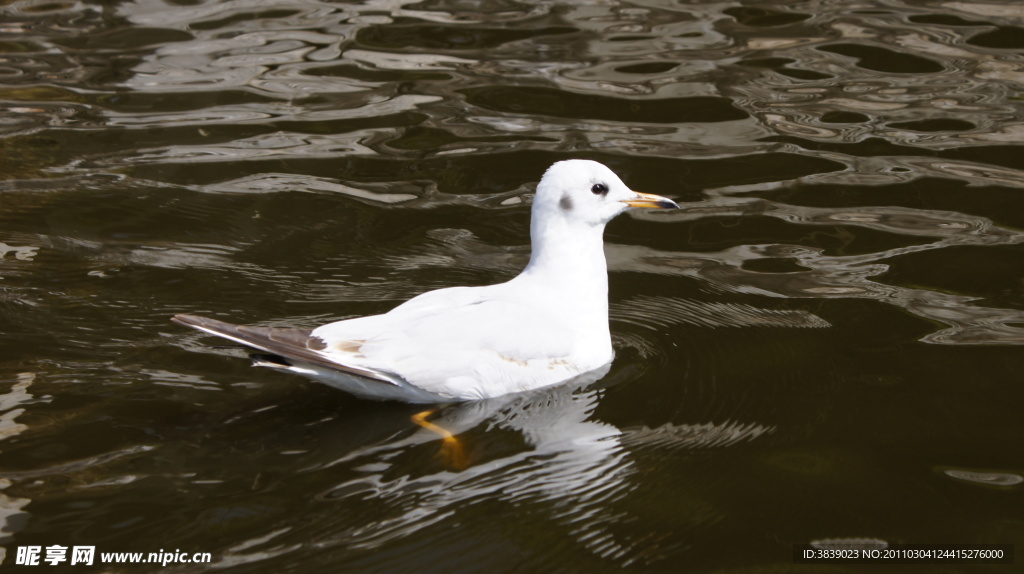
[{"x": 825, "y": 343}]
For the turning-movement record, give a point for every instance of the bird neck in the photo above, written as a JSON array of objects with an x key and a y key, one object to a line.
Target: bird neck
[{"x": 569, "y": 256}]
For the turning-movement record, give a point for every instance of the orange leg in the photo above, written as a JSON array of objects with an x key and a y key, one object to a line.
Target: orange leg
[{"x": 451, "y": 448}]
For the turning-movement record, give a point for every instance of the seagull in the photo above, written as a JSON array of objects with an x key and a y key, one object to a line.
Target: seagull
[{"x": 546, "y": 326}]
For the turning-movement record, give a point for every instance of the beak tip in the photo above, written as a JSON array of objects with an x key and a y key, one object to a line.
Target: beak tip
[{"x": 651, "y": 201}]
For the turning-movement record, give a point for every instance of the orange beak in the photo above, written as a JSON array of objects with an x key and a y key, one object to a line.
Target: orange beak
[{"x": 650, "y": 200}]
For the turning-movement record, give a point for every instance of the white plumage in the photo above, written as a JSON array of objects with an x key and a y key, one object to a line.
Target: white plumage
[{"x": 546, "y": 326}]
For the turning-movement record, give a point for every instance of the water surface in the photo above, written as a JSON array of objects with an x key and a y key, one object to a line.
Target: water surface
[{"x": 823, "y": 344}]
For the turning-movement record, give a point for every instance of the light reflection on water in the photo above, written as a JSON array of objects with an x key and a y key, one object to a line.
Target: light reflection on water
[{"x": 821, "y": 345}]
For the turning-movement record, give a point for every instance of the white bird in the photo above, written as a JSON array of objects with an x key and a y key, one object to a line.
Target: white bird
[{"x": 546, "y": 326}]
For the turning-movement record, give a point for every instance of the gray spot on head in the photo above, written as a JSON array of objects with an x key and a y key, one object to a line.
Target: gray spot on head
[{"x": 565, "y": 203}]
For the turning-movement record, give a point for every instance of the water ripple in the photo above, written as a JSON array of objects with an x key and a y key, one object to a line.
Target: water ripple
[
  {"x": 849, "y": 175},
  {"x": 660, "y": 312}
]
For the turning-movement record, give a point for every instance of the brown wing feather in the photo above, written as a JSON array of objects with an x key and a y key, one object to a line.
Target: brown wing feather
[{"x": 291, "y": 343}]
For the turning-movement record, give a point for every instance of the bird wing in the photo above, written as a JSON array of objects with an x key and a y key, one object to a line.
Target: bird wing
[{"x": 467, "y": 342}]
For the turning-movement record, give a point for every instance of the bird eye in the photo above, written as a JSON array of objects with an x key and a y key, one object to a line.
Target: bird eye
[{"x": 599, "y": 189}]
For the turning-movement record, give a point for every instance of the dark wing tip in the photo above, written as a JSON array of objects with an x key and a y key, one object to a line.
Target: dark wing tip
[
  {"x": 205, "y": 323},
  {"x": 315, "y": 343},
  {"x": 289, "y": 343},
  {"x": 184, "y": 319}
]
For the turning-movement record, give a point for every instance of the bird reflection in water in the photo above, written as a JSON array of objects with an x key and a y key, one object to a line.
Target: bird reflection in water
[{"x": 572, "y": 465}]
